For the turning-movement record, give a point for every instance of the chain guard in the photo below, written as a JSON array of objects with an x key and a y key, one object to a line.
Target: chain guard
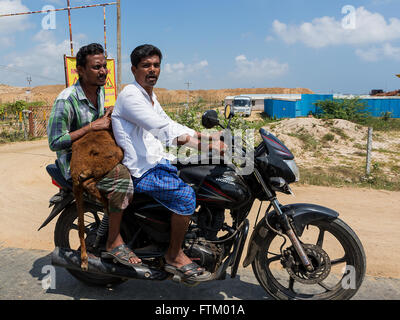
[{"x": 319, "y": 259}]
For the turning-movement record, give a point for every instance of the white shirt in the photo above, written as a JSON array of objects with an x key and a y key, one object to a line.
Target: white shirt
[{"x": 142, "y": 129}]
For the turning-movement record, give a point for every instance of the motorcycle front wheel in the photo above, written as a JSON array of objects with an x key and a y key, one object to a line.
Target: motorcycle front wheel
[
  {"x": 337, "y": 256},
  {"x": 66, "y": 236}
]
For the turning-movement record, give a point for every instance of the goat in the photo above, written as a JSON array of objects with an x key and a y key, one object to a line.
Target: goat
[{"x": 93, "y": 156}]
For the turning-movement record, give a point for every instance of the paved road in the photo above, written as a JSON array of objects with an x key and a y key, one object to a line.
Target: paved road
[{"x": 22, "y": 272}]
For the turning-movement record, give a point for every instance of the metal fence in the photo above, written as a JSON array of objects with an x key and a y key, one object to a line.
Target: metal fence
[
  {"x": 32, "y": 122},
  {"x": 25, "y": 124},
  {"x": 179, "y": 108},
  {"x": 38, "y": 119}
]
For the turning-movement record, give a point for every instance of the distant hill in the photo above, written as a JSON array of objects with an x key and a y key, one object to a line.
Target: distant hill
[{"x": 49, "y": 93}]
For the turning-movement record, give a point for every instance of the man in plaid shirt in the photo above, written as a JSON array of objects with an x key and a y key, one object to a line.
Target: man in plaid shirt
[{"x": 78, "y": 110}]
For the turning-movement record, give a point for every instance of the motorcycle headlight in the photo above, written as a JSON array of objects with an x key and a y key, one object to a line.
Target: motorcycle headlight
[{"x": 293, "y": 166}]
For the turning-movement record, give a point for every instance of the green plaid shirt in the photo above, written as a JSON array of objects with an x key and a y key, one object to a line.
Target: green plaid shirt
[{"x": 71, "y": 111}]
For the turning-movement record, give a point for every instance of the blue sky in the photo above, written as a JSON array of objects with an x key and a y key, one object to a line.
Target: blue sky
[{"x": 220, "y": 43}]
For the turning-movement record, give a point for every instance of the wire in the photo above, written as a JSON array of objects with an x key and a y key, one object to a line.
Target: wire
[{"x": 16, "y": 70}]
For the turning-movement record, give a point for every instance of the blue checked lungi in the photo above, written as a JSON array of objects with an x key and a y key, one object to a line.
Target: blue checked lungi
[{"x": 163, "y": 184}]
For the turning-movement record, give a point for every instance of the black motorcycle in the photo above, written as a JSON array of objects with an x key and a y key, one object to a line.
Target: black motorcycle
[{"x": 297, "y": 251}]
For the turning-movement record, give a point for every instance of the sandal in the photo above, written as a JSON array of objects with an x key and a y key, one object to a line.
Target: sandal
[
  {"x": 189, "y": 271},
  {"x": 122, "y": 254}
]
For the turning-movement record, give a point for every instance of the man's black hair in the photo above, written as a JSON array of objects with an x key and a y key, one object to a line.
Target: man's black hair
[
  {"x": 143, "y": 51},
  {"x": 91, "y": 49}
]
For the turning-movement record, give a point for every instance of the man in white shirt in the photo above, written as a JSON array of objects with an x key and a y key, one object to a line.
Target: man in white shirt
[{"x": 142, "y": 129}]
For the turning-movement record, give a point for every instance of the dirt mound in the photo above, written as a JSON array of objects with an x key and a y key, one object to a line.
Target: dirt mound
[
  {"x": 335, "y": 143},
  {"x": 168, "y": 96},
  {"x": 49, "y": 93},
  {"x": 40, "y": 93}
]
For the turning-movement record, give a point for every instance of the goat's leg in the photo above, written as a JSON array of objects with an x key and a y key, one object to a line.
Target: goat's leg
[
  {"x": 90, "y": 186},
  {"x": 78, "y": 193}
]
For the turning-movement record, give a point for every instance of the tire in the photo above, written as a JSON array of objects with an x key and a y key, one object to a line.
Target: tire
[
  {"x": 63, "y": 237},
  {"x": 282, "y": 286}
]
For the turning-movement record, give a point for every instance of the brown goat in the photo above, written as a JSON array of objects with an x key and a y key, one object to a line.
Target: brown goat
[{"x": 93, "y": 156}]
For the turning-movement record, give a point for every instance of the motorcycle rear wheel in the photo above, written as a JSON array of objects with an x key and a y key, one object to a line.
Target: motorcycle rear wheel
[
  {"x": 66, "y": 236},
  {"x": 348, "y": 278}
]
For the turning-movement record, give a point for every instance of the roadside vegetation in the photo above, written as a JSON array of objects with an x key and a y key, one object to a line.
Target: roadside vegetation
[
  {"x": 318, "y": 162},
  {"x": 316, "y": 155},
  {"x": 12, "y": 122}
]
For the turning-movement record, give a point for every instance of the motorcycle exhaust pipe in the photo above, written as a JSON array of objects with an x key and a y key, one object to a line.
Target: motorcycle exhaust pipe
[{"x": 71, "y": 259}]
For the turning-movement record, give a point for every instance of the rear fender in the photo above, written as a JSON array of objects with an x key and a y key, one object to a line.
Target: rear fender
[
  {"x": 58, "y": 207},
  {"x": 300, "y": 214}
]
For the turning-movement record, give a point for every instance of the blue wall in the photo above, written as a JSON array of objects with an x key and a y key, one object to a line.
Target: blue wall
[
  {"x": 301, "y": 108},
  {"x": 306, "y": 104},
  {"x": 379, "y": 106},
  {"x": 280, "y": 108}
]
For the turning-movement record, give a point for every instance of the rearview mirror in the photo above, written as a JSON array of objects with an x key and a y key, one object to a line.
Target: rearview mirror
[
  {"x": 210, "y": 119},
  {"x": 228, "y": 111}
]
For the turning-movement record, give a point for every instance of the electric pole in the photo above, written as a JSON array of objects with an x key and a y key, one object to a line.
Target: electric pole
[{"x": 188, "y": 93}]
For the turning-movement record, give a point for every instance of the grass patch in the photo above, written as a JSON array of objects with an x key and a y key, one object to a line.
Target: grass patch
[
  {"x": 341, "y": 176},
  {"x": 328, "y": 137},
  {"x": 309, "y": 142},
  {"x": 379, "y": 124},
  {"x": 340, "y": 133},
  {"x": 386, "y": 151}
]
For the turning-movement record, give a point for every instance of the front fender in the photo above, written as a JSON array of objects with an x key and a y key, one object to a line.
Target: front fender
[{"x": 300, "y": 214}]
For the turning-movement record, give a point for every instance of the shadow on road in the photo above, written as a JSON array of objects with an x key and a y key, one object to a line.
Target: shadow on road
[{"x": 67, "y": 287}]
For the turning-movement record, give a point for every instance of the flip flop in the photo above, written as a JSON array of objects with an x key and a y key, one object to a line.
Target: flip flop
[
  {"x": 189, "y": 272},
  {"x": 122, "y": 254}
]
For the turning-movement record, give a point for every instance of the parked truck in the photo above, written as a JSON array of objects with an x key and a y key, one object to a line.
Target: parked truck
[{"x": 242, "y": 105}]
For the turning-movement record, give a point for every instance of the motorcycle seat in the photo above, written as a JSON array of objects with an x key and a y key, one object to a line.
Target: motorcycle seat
[{"x": 54, "y": 171}]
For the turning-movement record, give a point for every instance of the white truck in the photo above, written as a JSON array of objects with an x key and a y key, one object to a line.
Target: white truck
[{"x": 242, "y": 105}]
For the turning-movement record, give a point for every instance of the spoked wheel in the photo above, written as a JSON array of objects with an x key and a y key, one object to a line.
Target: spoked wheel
[
  {"x": 66, "y": 236},
  {"x": 335, "y": 252}
]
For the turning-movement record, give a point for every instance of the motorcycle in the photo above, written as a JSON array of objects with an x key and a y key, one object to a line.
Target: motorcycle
[{"x": 297, "y": 251}]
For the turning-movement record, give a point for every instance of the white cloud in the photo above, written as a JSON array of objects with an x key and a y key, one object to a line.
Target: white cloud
[
  {"x": 46, "y": 58},
  {"x": 11, "y": 25},
  {"x": 326, "y": 31},
  {"x": 261, "y": 69},
  {"x": 180, "y": 70},
  {"x": 378, "y": 53}
]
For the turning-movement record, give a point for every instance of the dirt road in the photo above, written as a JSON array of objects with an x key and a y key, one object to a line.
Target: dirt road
[{"x": 25, "y": 189}]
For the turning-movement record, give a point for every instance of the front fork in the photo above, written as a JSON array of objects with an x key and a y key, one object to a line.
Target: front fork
[
  {"x": 292, "y": 236},
  {"x": 285, "y": 224}
]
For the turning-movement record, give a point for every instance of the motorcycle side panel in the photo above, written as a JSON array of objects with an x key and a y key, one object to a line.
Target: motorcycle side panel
[
  {"x": 217, "y": 185},
  {"x": 301, "y": 213}
]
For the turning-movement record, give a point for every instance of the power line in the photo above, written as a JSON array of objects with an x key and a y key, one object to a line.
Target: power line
[
  {"x": 55, "y": 10},
  {"x": 16, "y": 70}
]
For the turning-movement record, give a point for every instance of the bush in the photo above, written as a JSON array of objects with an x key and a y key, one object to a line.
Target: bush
[
  {"x": 18, "y": 106},
  {"x": 347, "y": 109}
]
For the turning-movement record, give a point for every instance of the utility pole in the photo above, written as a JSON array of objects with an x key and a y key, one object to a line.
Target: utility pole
[
  {"x": 119, "y": 66},
  {"x": 70, "y": 29},
  {"x": 28, "y": 92},
  {"x": 188, "y": 93}
]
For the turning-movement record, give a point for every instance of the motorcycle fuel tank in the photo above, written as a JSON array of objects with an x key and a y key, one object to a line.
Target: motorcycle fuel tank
[{"x": 217, "y": 185}]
